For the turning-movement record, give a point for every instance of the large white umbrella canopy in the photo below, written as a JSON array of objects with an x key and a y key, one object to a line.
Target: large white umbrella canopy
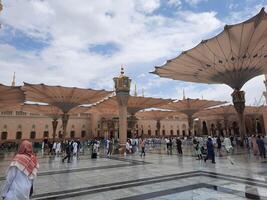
[
  {"x": 64, "y": 98},
  {"x": 232, "y": 57},
  {"x": 11, "y": 96}
]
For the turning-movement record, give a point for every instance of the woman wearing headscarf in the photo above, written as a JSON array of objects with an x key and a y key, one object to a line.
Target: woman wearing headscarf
[{"x": 21, "y": 173}]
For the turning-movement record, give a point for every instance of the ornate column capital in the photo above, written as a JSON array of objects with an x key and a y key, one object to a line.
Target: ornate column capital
[{"x": 239, "y": 100}]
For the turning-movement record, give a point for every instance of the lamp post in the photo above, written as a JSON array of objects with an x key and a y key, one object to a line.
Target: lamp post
[{"x": 122, "y": 88}]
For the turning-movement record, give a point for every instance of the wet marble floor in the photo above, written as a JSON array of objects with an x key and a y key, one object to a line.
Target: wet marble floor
[{"x": 157, "y": 176}]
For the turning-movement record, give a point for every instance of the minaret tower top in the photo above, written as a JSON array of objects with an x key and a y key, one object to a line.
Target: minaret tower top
[
  {"x": 14, "y": 80},
  {"x": 135, "y": 90},
  {"x": 183, "y": 95}
]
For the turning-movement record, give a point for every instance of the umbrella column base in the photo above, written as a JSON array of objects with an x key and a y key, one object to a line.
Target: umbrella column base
[{"x": 122, "y": 149}]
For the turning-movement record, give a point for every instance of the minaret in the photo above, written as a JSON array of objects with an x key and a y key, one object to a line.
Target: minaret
[
  {"x": 183, "y": 95},
  {"x": 135, "y": 90},
  {"x": 122, "y": 88},
  {"x": 14, "y": 80},
  {"x": 143, "y": 92},
  {"x": 265, "y": 83}
]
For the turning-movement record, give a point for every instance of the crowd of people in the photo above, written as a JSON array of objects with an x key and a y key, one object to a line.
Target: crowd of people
[
  {"x": 67, "y": 148},
  {"x": 23, "y": 168}
]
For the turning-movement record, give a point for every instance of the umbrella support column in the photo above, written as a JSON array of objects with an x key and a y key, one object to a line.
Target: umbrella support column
[
  {"x": 239, "y": 104},
  {"x": 54, "y": 125},
  {"x": 190, "y": 124},
  {"x": 225, "y": 120},
  {"x": 65, "y": 119},
  {"x": 122, "y": 101},
  {"x": 158, "y": 128}
]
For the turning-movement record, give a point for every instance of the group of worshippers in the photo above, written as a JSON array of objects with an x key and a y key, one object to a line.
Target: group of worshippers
[
  {"x": 132, "y": 145},
  {"x": 169, "y": 145},
  {"x": 72, "y": 148},
  {"x": 21, "y": 174},
  {"x": 135, "y": 145},
  {"x": 203, "y": 146},
  {"x": 257, "y": 144},
  {"x": 95, "y": 148},
  {"x": 52, "y": 148},
  {"x": 169, "y": 142}
]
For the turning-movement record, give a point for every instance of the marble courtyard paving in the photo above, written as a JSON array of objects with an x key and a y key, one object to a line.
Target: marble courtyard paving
[{"x": 159, "y": 176}]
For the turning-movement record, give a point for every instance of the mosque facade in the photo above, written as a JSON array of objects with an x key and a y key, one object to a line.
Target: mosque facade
[{"x": 17, "y": 125}]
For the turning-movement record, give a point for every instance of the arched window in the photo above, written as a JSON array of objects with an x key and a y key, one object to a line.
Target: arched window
[
  {"x": 46, "y": 134},
  {"x": 163, "y": 132},
  {"x": 60, "y": 135},
  {"x": 83, "y": 133},
  {"x": 19, "y": 132},
  {"x": 149, "y": 132},
  {"x": 4, "y": 135},
  {"x": 32, "y": 135},
  {"x": 171, "y": 132},
  {"x": 204, "y": 128},
  {"x": 19, "y": 127},
  {"x": 72, "y": 134},
  {"x": 18, "y": 135}
]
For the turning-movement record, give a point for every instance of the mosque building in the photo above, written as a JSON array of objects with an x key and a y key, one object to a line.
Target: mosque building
[{"x": 18, "y": 124}]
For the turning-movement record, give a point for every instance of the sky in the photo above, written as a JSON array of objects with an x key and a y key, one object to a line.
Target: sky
[{"x": 83, "y": 43}]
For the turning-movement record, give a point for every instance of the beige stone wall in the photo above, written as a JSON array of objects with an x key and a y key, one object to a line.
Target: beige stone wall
[
  {"x": 11, "y": 122},
  {"x": 264, "y": 116},
  {"x": 249, "y": 120},
  {"x": 26, "y": 124},
  {"x": 166, "y": 124}
]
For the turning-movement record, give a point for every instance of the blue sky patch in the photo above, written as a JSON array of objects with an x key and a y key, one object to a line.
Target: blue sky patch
[
  {"x": 20, "y": 40},
  {"x": 105, "y": 49}
]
